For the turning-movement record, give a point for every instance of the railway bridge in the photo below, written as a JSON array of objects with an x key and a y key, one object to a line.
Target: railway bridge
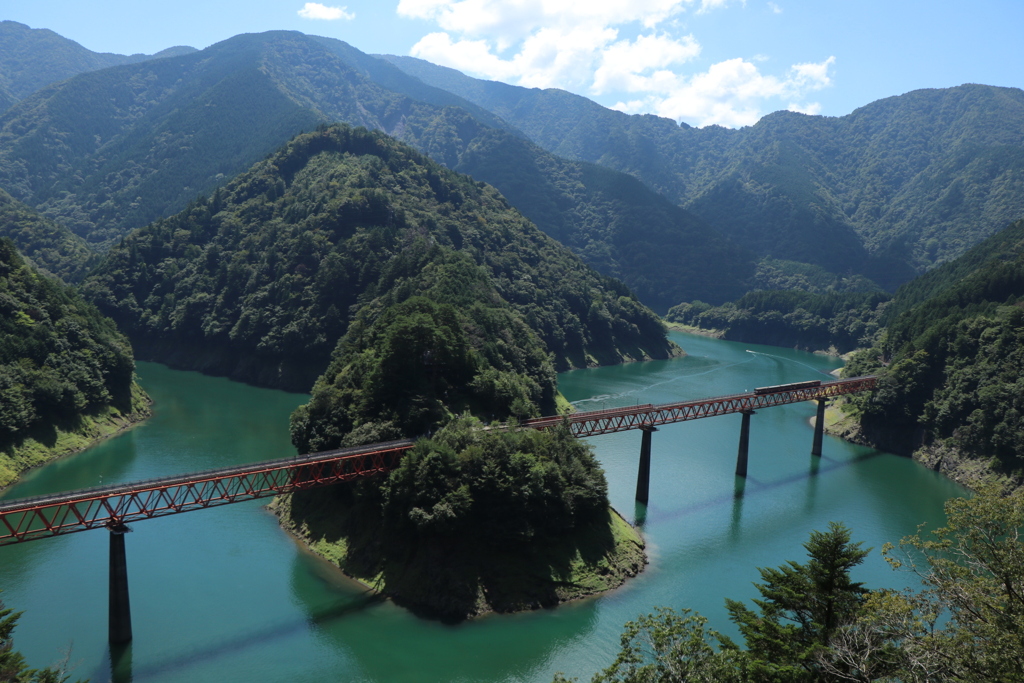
[{"x": 114, "y": 507}]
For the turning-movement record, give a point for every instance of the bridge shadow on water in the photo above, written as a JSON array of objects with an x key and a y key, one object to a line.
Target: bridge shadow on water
[
  {"x": 117, "y": 666},
  {"x": 751, "y": 486}
]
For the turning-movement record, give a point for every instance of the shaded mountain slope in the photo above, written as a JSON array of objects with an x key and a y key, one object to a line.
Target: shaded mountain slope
[
  {"x": 51, "y": 247},
  {"x": 259, "y": 281},
  {"x": 899, "y": 185},
  {"x": 951, "y": 365},
  {"x": 113, "y": 150},
  {"x": 614, "y": 222},
  {"x": 64, "y": 369}
]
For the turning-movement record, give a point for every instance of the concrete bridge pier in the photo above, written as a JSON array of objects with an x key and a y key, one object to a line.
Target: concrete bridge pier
[
  {"x": 643, "y": 475},
  {"x": 741, "y": 454},
  {"x": 119, "y": 620},
  {"x": 819, "y": 428}
]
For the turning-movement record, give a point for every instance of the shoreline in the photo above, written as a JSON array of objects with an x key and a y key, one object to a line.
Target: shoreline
[
  {"x": 279, "y": 509},
  {"x": 106, "y": 424},
  {"x": 938, "y": 457}
]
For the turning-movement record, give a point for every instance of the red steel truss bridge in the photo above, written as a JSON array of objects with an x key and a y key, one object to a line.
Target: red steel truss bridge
[
  {"x": 597, "y": 422},
  {"x": 114, "y": 507}
]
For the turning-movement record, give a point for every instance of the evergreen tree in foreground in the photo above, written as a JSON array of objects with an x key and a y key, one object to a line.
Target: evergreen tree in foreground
[
  {"x": 801, "y": 607},
  {"x": 813, "y": 623}
]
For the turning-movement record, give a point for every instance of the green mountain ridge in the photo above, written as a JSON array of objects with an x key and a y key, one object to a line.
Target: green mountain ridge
[
  {"x": 893, "y": 188},
  {"x": 259, "y": 281},
  {"x": 31, "y": 59},
  {"x": 951, "y": 365},
  {"x": 113, "y": 150}
]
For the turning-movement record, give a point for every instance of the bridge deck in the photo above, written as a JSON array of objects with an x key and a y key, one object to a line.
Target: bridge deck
[
  {"x": 108, "y": 506},
  {"x": 596, "y": 422},
  {"x": 62, "y": 513}
]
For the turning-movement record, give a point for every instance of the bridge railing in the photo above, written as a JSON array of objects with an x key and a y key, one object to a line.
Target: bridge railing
[
  {"x": 109, "y": 506},
  {"x": 592, "y": 423},
  {"x": 119, "y": 504}
]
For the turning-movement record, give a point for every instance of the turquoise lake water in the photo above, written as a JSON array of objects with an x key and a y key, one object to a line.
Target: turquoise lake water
[{"x": 225, "y": 595}]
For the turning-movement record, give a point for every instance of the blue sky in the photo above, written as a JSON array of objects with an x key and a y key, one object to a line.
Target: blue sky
[{"x": 700, "y": 61}]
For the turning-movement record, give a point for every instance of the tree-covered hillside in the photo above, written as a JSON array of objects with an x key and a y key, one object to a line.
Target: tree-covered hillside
[
  {"x": 888, "y": 191},
  {"x": 260, "y": 280},
  {"x": 614, "y": 223},
  {"x": 63, "y": 367},
  {"x": 49, "y": 246},
  {"x": 951, "y": 365},
  {"x": 836, "y": 322},
  {"x": 31, "y": 59},
  {"x": 113, "y": 150}
]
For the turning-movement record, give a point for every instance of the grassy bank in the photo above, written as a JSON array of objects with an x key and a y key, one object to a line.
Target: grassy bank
[
  {"x": 444, "y": 579},
  {"x": 690, "y": 329},
  {"x": 50, "y": 442}
]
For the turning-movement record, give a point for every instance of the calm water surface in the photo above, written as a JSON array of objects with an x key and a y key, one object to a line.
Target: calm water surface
[{"x": 225, "y": 595}]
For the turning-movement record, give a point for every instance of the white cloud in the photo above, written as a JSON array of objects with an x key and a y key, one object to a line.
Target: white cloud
[
  {"x": 774, "y": 8},
  {"x": 314, "y": 10},
  {"x": 643, "y": 63},
  {"x": 635, "y": 50},
  {"x": 731, "y": 93},
  {"x": 809, "y": 108}
]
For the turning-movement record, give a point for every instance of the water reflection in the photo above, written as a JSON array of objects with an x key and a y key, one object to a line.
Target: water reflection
[
  {"x": 430, "y": 650},
  {"x": 120, "y": 662},
  {"x": 224, "y": 595},
  {"x": 639, "y": 514},
  {"x": 739, "y": 487}
]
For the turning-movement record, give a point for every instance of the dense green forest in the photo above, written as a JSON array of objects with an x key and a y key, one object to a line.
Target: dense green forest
[
  {"x": 51, "y": 247},
  {"x": 814, "y": 623},
  {"x": 474, "y": 521},
  {"x": 113, "y": 150},
  {"x": 888, "y": 191},
  {"x": 614, "y": 222},
  {"x": 63, "y": 366},
  {"x": 951, "y": 363},
  {"x": 260, "y": 280},
  {"x": 835, "y": 321}
]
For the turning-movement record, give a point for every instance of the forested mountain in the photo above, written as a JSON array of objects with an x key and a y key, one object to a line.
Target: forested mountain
[
  {"x": 113, "y": 150},
  {"x": 63, "y": 367},
  {"x": 837, "y": 322},
  {"x": 32, "y": 58},
  {"x": 259, "y": 281},
  {"x": 614, "y": 222},
  {"x": 888, "y": 191},
  {"x": 51, "y": 247},
  {"x": 951, "y": 364}
]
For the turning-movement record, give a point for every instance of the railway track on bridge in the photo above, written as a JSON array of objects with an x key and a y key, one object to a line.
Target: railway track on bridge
[
  {"x": 593, "y": 423},
  {"x": 116, "y": 505}
]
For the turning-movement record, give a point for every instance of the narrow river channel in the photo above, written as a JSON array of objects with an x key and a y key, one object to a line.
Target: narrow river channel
[{"x": 225, "y": 595}]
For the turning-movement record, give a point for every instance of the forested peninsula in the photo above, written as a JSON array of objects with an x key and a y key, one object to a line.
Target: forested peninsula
[
  {"x": 66, "y": 373},
  {"x": 421, "y": 304}
]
